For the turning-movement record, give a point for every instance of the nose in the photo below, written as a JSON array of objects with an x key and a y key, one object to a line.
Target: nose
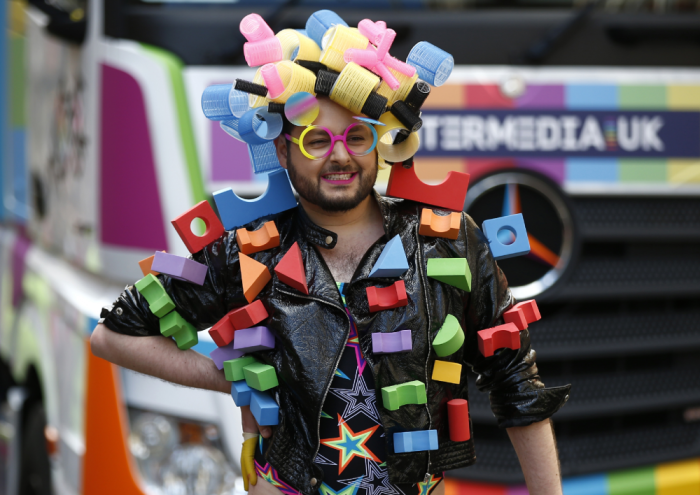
[{"x": 339, "y": 153}]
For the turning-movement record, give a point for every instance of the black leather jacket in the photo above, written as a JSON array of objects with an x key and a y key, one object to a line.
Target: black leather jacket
[{"x": 312, "y": 331}]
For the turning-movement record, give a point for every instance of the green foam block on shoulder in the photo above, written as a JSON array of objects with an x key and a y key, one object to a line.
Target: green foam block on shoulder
[
  {"x": 399, "y": 395},
  {"x": 450, "y": 337},
  {"x": 260, "y": 376},
  {"x": 233, "y": 368},
  {"x": 451, "y": 271},
  {"x": 174, "y": 325},
  {"x": 159, "y": 301}
]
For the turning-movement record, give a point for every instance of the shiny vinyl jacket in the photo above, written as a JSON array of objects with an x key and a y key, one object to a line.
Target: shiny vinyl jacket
[{"x": 312, "y": 330}]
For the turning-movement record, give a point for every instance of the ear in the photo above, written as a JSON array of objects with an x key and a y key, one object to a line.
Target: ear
[{"x": 282, "y": 150}]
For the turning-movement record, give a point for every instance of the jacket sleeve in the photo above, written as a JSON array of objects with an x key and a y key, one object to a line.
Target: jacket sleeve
[
  {"x": 202, "y": 306},
  {"x": 518, "y": 396}
]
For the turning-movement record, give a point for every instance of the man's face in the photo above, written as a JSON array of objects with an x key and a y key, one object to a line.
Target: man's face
[{"x": 338, "y": 182}]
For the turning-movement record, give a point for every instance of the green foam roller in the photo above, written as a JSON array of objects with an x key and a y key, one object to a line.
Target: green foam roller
[
  {"x": 450, "y": 337},
  {"x": 159, "y": 301},
  {"x": 233, "y": 368},
  {"x": 451, "y": 271},
  {"x": 174, "y": 325},
  {"x": 260, "y": 376},
  {"x": 399, "y": 395}
]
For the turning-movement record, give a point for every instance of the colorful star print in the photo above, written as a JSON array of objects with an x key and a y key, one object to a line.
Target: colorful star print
[
  {"x": 354, "y": 342},
  {"x": 351, "y": 490},
  {"x": 351, "y": 444},
  {"x": 341, "y": 374},
  {"x": 359, "y": 399},
  {"x": 377, "y": 480},
  {"x": 322, "y": 460},
  {"x": 269, "y": 474},
  {"x": 427, "y": 486}
]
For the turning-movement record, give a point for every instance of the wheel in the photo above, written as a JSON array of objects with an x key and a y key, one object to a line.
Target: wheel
[{"x": 35, "y": 468}]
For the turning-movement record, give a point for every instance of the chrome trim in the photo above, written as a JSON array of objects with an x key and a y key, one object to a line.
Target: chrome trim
[{"x": 630, "y": 189}]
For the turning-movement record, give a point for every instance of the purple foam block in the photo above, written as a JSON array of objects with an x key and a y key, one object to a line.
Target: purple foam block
[
  {"x": 225, "y": 353},
  {"x": 179, "y": 267},
  {"x": 254, "y": 339},
  {"x": 385, "y": 343}
]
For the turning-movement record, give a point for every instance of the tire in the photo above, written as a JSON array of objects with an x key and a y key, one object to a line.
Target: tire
[{"x": 35, "y": 467}]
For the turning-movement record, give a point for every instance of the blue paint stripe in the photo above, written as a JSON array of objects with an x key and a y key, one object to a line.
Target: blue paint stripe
[
  {"x": 592, "y": 170},
  {"x": 591, "y": 96},
  {"x": 90, "y": 325},
  {"x": 204, "y": 346},
  {"x": 4, "y": 117},
  {"x": 586, "y": 485}
]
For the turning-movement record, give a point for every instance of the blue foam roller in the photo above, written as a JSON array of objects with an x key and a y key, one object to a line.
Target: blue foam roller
[
  {"x": 321, "y": 21},
  {"x": 257, "y": 126},
  {"x": 264, "y": 409},
  {"x": 236, "y": 212},
  {"x": 230, "y": 127},
  {"x": 415, "y": 441},
  {"x": 215, "y": 102},
  {"x": 392, "y": 262},
  {"x": 500, "y": 233},
  {"x": 241, "y": 393},
  {"x": 433, "y": 64},
  {"x": 263, "y": 157},
  {"x": 238, "y": 102}
]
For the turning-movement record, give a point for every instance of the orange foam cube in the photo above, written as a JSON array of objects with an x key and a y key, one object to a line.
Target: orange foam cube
[
  {"x": 434, "y": 225},
  {"x": 266, "y": 237}
]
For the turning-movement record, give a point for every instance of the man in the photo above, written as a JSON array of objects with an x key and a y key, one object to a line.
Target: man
[{"x": 341, "y": 228}]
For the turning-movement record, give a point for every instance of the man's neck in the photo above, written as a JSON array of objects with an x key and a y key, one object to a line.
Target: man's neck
[{"x": 359, "y": 217}]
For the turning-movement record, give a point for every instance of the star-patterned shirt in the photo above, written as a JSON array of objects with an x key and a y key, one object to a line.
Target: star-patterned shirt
[{"x": 352, "y": 452}]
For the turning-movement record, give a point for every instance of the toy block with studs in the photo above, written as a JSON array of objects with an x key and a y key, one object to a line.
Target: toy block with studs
[
  {"x": 444, "y": 371},
  {"x": 390, "y": 297},
  {"x": 451, "y": 271},
  {"x": 264, "y": 408},
  {"x": 522, "y": 314},
  {"x": 392, "y": 262},
  {"x": 241, "y": 393},
  {"x": 266, "y": 237},
  {"x": 180, "y": 268},
  {"x": 507, "y": 236},
  {"x": 254, "y": 275},
  {"x": 449, "y": 194},
  {"x": 254, "y": 339},
  {"x": 233, "y": 368},
  {"x": 290, "y": 269},
  {"x": 159, "y": 301},
  {"x": 415, "y": 441},
  {"x": 450, "y": 337},
  {"x": 502, "y": 336},
  {"x": 458, "y": 420},
  {"x": 248, "y": 316},
  {"x": 236, "y": 212},
  {"x": 389, "y": 343},
  {"x": 184, "y": 333},
  {"x": 402, "y": 394},
  {"x": 260, "y": 376},
  {"x": 194, "y": 242},
  {"x": 224, "y": 353},
  {"x": 146, "y": 265},
  {"x": 434, "y": 225}
]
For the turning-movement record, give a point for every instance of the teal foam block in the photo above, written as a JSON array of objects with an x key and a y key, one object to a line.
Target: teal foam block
[
  {"x": 264, "y": 408},
  {"x": 241, "y": 393},
  {"x": 415, "y": 441},
  {"x": 392, "y": 262}
]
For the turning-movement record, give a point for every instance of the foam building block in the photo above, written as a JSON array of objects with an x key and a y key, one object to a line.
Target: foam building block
[
  {"x": 194, "y": 242},
  {"x": 254, "y": 275},
  {"x": 387, "y": 343},
  {"x": 449, "y": 194},
  {"x": 392, "y": 262},
  {"x": 264, "y": 408},
  {"x": 450, "y": 337},
  {"x": 224, "y": 353},
  {"x": 241, "y": 393},
  {"x": 522, "y": 314},
  {"x": 433, "y": 225},
  {"x": 492, "y": 339},
  {"x": 159, "y": 301},
  {"x": 222, "y": 331},
  {"x": 402, "y": 394},
  {"x": 415, "y": 441},
  {"x": 381, "y": 298},
  {"x": 146, "y": 265},
  {"x": 233, "y": 369},
  {"x": 451, "y": 271},
  {"x": 458, "y": 420},
  {"x": 266, "y": 237},
  {"x": 236, "y": 212},
  {"x": 260, "y": 376},
  {"x": 507, "y": 236},
  {"x": 254, "y": 339},
  {"x": 184, "y": 333},
  {"x": 290, "y": 269},
  {"x": 248, "y": 316},
  {"x": 444, "y": 371},
  {"x": 180, "y": 268}
]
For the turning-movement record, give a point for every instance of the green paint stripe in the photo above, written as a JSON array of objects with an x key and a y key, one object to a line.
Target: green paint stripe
[
  {"x": 174, "y": 67},
  {"x": 637, "y": 97},
  {"x": 17, "y": 82},
  {"x": 632, "y": 482},
  {"x": 642, "y": 170}
]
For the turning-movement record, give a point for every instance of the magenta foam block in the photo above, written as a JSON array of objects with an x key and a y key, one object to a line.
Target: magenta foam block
[
  {"x": 254, "y": 339},
  {"x": 179, "y": 268},
  {"x": 385, "y": 343},
  {"x": 224, "y": 353}
]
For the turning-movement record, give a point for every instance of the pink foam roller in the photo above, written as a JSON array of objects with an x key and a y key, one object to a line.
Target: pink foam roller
[
  {"x": 399, "y": 66},
  {"x": 383, "y": 71},
  {"x": 365, "y": 58},
  {"x": 254, "y": 28},
  {"x": 387, "y": 39},
  {"x": 271, "y": 75},
  {"x": 372, "y": 30},
  {"x": 262, "y": 52}
]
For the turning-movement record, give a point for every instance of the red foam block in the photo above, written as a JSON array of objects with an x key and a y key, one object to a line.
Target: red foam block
[
  {"x": 248, "y": 315},
  {"x": 214, "y": 228},
  {"x": 449, "y": 194},
  {"x": 522, "y": 314},
  {"x": 222, "y": 332},
  {"x": 492, "y": 339},
  {"x": 458, "y": 418},
  {"x": 390, "y": 297},
  {"x": 290, "y": 269}
]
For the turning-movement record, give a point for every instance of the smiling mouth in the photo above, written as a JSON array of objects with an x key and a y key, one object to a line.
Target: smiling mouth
[{"x": 336, "y": 178}]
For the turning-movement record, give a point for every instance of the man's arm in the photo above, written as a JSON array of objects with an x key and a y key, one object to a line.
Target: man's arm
[{"x": 537, "y": 452}]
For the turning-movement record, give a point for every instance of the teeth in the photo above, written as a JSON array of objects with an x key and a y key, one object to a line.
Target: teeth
[{"x": 338, "y": 176}]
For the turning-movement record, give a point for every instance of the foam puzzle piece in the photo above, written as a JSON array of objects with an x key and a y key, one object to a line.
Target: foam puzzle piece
[
  {"x": 451, "y": 271},
  {"x": 415, "y": 441},
  {"x": 236, "y": 212},
  {"x": 450, "y": 337},
  {"x": 214, "y": 228},
  {"x": 241, "y": 393},
  {"x": 233, "y": 369},
  {"x": 449, "y": 194},
  {"x": 146, "y": 265},
  {"x": 381, "y": 298},
  {"x": 433, "y": 225},
  {"x": 180, "y": 268},
  {"x": 222, "y": 331},
  {"x": 502, "y": 336},
  {"x": 387, "y": 343},
  {"x": 522, "y": 314},
  {"x": 458, "y": 419},
  {"x": 264, "y": 408},
  {"x": 159, "y": 301},
  {"x": 444, "y": 371},
  {"x": 254, "y": 275},
  {"x": 266, "y": 237},
  {"x": 254, "y": 339},
  {"x": 402, "y": 394},
  {"x": 260, "y": 376},
  {"x": 392, "y": 262},
  {"x": 248, "y": 315},
  {"x": 184, "y": 333},
  {"x": 290, "y": 269},
  {"x": 224, "y": 353},
  {"x": 499, "y": 229}
]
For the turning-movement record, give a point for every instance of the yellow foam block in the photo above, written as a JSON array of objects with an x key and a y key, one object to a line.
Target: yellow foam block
[
  {"x": 678, "y": 478},
  {"x": 447, "y": 372}
]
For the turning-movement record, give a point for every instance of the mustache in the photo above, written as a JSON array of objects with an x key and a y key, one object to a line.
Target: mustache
[{"x": 339, "y": 170}]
